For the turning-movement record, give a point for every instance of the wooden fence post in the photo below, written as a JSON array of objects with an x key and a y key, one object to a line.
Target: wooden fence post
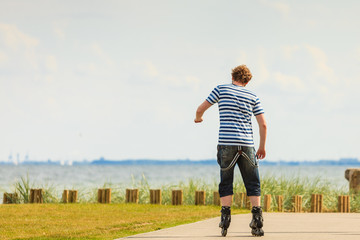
[
  {"x": 10, "y": 198},
  {"x": 353, "y": 176},
  {"x": 32, "y": 195},
  {"x": 280, "y": 203},
  {"x": 242, "y": 201},
  {"x": 200, "y": 197},
  {"x": 65, "y": 196},
  {"x": 132, "y": 196},
  {"x": 267, "y": 202},
  {"x": 216, "y": 199},
  {"x": 344, "y": 204},
  {"x": 176, "y": 197},
  {"x": 155, "y": 196},
  {"x": 247, "y": 201},
  {"x": 316, "y": 203},
  {"x": 297, "y": 203},
  {"x": 104, "y": 195},
  {"x": 73, "y": 194},
  {"x": 99, "y": 196},
  {"x": 108, "y": 195},
  {"x": 36, "y": 195}
]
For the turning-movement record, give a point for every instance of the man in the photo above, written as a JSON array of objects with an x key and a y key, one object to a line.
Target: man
[{"x": 236, "y": 107}]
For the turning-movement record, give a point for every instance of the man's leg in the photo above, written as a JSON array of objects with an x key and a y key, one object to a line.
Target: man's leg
[
  {"x": 250, "y": 174},
  {"x": 255, "y": 201},
  {"x": 226, "y": 201},
  {"x": 225, "y": 156}
]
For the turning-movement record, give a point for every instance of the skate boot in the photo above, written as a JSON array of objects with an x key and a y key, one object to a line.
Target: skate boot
[
  {"x": 257, "y": 222},
  {"x": 225, "y": 220}
]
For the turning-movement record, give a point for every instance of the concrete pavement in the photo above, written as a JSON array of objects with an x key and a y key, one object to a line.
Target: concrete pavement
[{"x": 289, "y": 226}]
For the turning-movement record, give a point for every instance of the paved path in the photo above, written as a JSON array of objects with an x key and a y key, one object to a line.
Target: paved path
[{"x": 289, "y": 226}]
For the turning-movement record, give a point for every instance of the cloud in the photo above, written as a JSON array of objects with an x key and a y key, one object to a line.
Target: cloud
[
  {"x": 15, "y": 39},
  {"x": 262, "y": 72},
  {"x": 150, "y": 69},
  {"x": 242, "y": 59},
  {"x": 17, "y": 42},
  {"x": 320, "y": 60},
  {"x": 98, "y": 51},
  {"x": 288, "y": 82},
  {"x": 289, "y": 50},
  {"x": 59, "y": 33},
  {"x": 3, "y": 57},
  {"x": 358, "y": 53},
  {"x": 281, "y": 7},
  {"x": 152, "y": 74},
  {"x": 51, "y": 63},
  {"x": 59, "y": 29}
]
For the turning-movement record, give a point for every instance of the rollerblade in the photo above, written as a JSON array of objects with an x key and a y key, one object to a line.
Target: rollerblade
[
  {"x": 225, "y": 220},
  {"x": 257, "y": 222}
]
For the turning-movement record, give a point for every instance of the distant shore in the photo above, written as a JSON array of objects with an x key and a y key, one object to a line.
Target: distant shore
[{"x": 102, "y": 161}]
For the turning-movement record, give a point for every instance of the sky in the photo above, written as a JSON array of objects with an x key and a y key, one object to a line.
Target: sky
[{"x": 122, "y": 79}]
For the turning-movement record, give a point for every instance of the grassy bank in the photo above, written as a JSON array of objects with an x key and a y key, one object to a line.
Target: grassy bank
[
  {"x": 288, "y": 187},
  {"x": 94, "y": 221}
]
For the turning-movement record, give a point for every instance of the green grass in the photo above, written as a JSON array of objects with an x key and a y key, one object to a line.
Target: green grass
[
  {"x": 288, "y": 187},
  {"x": 95, "y": 221}
]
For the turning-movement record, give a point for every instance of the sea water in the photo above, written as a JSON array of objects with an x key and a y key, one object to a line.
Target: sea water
[{"x": 94, "y": 176}]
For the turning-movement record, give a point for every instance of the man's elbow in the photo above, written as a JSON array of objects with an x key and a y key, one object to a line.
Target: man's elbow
[
  {"x": 263, "y": 126},
  {"x": 199, "y": 110}
]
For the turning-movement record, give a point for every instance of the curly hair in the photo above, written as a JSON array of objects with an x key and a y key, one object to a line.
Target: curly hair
[{"x": 241, "y": 74}]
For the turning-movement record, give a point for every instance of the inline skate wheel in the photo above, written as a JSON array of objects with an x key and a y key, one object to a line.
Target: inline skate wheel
[{"x": 223, "y": 232}]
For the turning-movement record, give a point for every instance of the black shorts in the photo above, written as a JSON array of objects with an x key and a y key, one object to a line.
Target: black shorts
[{"x": 248, "y": 168}]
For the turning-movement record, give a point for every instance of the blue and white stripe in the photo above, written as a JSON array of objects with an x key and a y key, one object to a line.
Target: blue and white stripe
[{"x": 236, "y": 106}]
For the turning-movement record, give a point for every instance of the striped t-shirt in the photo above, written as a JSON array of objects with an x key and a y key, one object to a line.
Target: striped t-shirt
[{"x": 236, "y": 106}]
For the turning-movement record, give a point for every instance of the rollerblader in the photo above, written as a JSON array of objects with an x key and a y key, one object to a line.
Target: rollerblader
[{"x": 236, "y": 146}]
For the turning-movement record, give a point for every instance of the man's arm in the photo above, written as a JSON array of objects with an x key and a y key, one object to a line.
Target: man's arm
[
  {"x": 262, "y": 129},
  {"x": 200, "y": 111}
]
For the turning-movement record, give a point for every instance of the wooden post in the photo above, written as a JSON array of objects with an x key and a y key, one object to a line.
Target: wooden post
[
  {"x": 32, "y": 196},
  {"x": 176, "y": 197},
  {"x": 280, "y": 203},
  {"x": 216, "y": 199},
  {"x": 10, "y": 198},
  {"x": 65, "y": 196},
  {"x": 104, "y": 195},
  {"x": 132, "y": 195},
  {"x": 41, "y": 195},
  {"x": 242, "y": 200},
  {"x": 247, "y": 202},
  {"x": 5, "y": 198},
  {"x": 36, "y": 195},
  {"x": 135, "y": 195},
  {"x": 199, "y": 197},
  {"x": 344, "y": 204},
  {"x": 99, "y": 196},
  {"x": 355, "y": 182},
  {"x": 73, "y": 196},
  {"x": 353, "y": 176},
  {"x": 316, "y": 202},
  {"x": 155, "y": 196},
  {"x": 297, "y": 203},
  {"x": 127, "y": 195},
  {"x": 267, "y": 202},
  {"x": 108, "y": 195}
]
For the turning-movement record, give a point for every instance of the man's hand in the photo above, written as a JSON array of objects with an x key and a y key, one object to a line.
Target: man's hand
[
  {"x": 198, "y": 120},
  {"x": 261, "y": 153}
]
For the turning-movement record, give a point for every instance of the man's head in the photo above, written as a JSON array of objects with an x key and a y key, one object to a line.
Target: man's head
[{"x": 241, "y": 74}]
